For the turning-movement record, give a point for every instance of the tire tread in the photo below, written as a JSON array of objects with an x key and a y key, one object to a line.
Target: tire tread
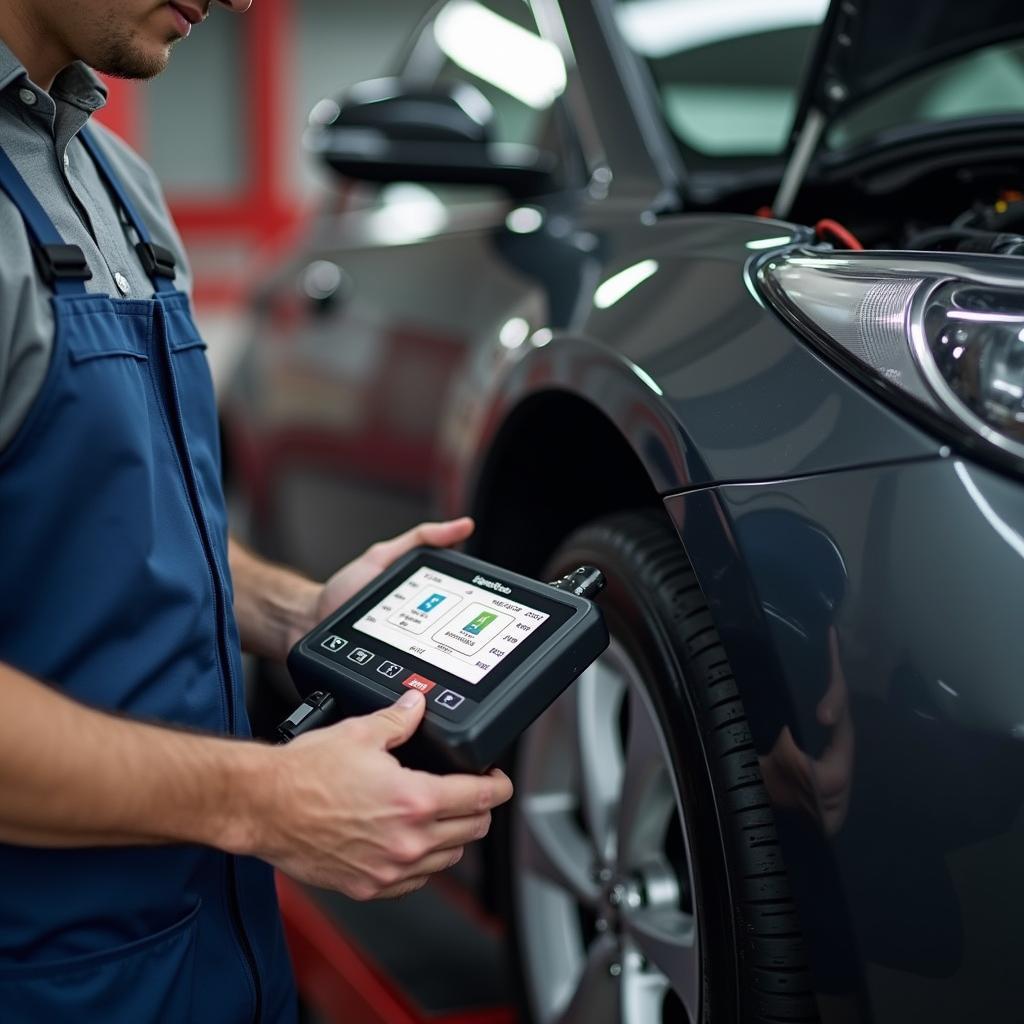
[{"x": 777, "y": 987}]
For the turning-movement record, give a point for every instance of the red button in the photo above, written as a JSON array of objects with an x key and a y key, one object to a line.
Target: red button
[{"x": 415, "y": 682}]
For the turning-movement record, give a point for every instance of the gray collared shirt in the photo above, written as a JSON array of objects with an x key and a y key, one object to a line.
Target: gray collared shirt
[{"x": 38, "y": 131}]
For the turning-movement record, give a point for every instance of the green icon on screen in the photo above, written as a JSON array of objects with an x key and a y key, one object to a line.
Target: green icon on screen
[{"x": 480, "y": 623}]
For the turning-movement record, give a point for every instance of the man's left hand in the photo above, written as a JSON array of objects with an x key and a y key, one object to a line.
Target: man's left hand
[
  {"x": 276, "y": 607},
  {"x": 350, "y": 579}
]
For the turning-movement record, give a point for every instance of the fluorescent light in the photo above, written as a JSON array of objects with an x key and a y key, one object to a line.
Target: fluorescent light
[
  {"x": 647, "y": 379},
  {"x": 514, "y": 332},
  {"x": 542, "y": 337},
  {"x": 1013, "y": 390},
  {"x": 658, "y": 28},
  {"x": 501, "y": 52},
  {"x": 408, "y": 213},
  {"x": 770, "y": 243},
  {"x": 609, "y": 292},
  {"x": 324, "y": 112},
  {"x": 321, "y": 279},
  {"x": 524, "y": 220},
  {"x": 1003, "y": 528}
]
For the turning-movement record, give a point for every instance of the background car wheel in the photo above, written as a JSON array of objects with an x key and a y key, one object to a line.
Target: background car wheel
[{"x": 644, "y": 874}]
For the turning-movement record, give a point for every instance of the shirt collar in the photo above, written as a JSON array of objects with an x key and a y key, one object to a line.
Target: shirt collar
[{"x": 76, "y": 84}]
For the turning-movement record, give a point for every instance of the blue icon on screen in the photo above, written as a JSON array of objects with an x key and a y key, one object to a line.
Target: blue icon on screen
[{"x": 431, "y": 602}]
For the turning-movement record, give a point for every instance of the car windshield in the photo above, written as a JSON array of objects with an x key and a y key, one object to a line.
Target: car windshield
[
  {"x": 986, "y": 82},
  {"x": 728, "y": 72},
  {"x": 728, "y": 75}
]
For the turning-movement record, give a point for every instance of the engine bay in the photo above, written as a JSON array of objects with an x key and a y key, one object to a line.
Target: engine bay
[
  {"x": 952, "y": 192},
  {"x": 975, "y": 208}
]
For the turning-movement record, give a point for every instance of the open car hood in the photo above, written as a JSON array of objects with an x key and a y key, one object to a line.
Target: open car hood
[{"x": 866, "y": 45}]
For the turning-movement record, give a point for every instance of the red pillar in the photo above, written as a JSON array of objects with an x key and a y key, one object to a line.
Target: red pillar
[
  {"x": 263, "y": 208},
  {"x": 123, "y": 109},
  {"x": 269, "y": 73}
]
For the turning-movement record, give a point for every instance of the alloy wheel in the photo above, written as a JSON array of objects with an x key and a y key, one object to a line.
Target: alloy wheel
[{"x": 601, "y": 860}]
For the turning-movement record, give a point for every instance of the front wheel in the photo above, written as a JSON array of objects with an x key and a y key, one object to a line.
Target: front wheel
[{"x": 644, "y": 872}]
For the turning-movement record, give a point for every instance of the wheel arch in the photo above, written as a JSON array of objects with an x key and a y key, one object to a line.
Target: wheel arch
[
  {"x": 557, "y": 457},
  {"x": 530, "y": 494}
]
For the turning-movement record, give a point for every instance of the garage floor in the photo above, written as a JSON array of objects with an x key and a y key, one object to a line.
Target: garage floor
[{"x": 430, "y": 956}]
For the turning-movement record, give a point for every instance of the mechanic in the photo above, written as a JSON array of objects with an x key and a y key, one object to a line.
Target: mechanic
[{"x": 138, "y": 823}]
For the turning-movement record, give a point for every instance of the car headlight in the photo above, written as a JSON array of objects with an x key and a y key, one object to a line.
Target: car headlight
[{"x": 946, "y": 335}]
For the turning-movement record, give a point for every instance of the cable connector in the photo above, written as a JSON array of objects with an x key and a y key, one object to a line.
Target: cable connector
[
  {"x": 586, "y": 581},
  {"x": 316, "y": 710}
]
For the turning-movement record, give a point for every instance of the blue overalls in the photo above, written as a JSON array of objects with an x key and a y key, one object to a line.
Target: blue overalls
[{"x": 114, "y": 586}]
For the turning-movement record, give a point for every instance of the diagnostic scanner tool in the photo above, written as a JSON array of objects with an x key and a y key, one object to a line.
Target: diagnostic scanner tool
[{"x": 489, "y": 649}]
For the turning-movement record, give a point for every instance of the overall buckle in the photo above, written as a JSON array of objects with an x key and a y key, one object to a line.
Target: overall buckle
[
  {"x": 156, "y": 260},
  {"x": 60, "y": 262}
]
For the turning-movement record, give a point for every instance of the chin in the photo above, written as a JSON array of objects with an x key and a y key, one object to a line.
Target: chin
[
  {"x": 138, "y": 54},
  {"x": 141, "y": 64}
]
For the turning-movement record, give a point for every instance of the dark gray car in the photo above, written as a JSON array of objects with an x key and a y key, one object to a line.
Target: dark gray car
[{"x": 791, "y": 790}]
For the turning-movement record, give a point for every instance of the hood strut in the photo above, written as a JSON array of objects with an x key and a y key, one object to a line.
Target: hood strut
[
  {"x": 825, "y": 90},
  {"x": 800, "y": 159}
]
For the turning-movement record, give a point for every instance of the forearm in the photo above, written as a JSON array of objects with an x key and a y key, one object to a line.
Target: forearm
[
  {"x": 334, "y": 808},
  {"x": 73, "y": 776},
  {"x": 274, "y": 606}
]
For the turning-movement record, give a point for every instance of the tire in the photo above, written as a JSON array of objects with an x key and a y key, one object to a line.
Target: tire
[{"x": 666, "y": 901}]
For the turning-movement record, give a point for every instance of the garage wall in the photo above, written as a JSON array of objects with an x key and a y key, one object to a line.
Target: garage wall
[
  {"x": 193, "y": 118},
  {"x": 338, "y": 44},
  {"x": 193, "y": 131}
]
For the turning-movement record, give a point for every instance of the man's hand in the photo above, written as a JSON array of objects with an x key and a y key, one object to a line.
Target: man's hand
[
  {"x": 372, "y": 562},
  {"x": 276, "y": 607},
  {"x": 334, "y": 808}
]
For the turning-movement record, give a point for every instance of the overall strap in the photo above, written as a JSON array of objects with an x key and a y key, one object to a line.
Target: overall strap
[
  {"x": 62, "y": 266},
  {"x": 158, "y": 262}
]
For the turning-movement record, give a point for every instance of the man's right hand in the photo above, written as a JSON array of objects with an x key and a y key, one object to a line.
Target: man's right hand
[{"x": 334, "y": 808}]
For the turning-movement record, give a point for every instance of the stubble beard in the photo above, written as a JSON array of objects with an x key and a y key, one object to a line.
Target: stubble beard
[{"x": 119, "y": 55}]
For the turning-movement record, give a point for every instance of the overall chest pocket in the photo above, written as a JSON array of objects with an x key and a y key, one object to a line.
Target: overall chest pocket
[
  {"x": 107, "y": 388},
  {"x": 94, "y": 392}
]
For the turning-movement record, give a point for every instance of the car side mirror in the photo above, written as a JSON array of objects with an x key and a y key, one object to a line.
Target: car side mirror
[{"x": 383, "y": 130}]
